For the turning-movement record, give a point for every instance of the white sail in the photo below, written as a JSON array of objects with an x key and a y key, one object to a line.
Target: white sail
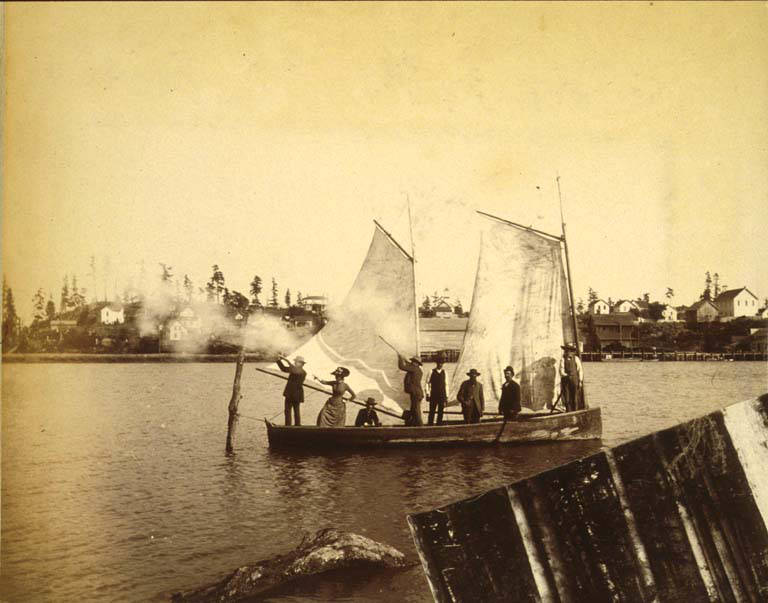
[
  {"x": 520, "y": 316},
  {"x": 381, "y": 303}
]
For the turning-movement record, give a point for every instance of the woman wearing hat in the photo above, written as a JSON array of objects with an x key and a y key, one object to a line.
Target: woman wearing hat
[{"x": 334, "y": 412}]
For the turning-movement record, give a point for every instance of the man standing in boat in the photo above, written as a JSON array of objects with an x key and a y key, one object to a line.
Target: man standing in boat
[
  {"x": 509, "y": 403},
  {"x": 294, "y": 389},
  {"x": 471, "y": 397},
  {"x": 436, "y": 393},
  {"x": 412, "y": 386},
  {"x": 571, "y": 377}
]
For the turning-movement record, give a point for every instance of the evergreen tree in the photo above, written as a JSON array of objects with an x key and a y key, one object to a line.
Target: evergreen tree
[
  {"x": 215, "y": 286},
  {"x": 38, "y": 306},
  {"x": 236, "y": 303},
  {"x": 647, "y": 298},
  {"x": 426, "y": 306},
  {"x": 592, "y": 296},
  {"x": 299, "y": 299},
  {"x": 50, "y": 307},
  {"x": 707, "y": 293},
  {"x": 64, "y": 303},
  {"x": 92, "y": 275},
  {"x": 256, "y": 290},
  {"x": 76, "y": 296},
  {"x": 670, "y": 293},
  {"x": 273, "y": 299},
  {"x": 715, "y": 279},
  {"x": 188, "y": 288},
  {"x": 10, "y": 318},
  {"x": 287, "y": 298}
]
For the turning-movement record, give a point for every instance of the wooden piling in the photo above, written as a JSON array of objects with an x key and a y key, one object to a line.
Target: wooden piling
[{"x": 234, "y": 401}]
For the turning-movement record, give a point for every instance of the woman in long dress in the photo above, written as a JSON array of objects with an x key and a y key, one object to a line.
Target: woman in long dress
[{"x": 334, "y": 412}]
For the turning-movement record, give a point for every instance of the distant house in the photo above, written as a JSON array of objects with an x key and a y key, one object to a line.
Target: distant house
[
  {"x": 616, "y": 330},
  {"x": 598, "y": 306},
  {"x": 112, "y": 314},
  {"x": 61, "y": 326},
  {"x": 623, "y": 306},
  {"x": 702, "y": 311},
  {"x": 176, "y": 331},
  {"x": 443, "y": 309},
  {"x": 737, "y": 302},
  {"x": 758, "y": 340},
  {"x": 669, "y": 314},
  {"x": 315, "y": 303}
]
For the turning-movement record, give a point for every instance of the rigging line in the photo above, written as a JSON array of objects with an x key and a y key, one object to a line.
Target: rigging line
[
  {"x": 516, "y": 225},
  {"x": 391, "y": 238}
]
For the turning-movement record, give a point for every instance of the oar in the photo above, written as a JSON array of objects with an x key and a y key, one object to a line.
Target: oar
[
  {"x": 393, "y": 347},
  {"x": 324, "y": 391}
]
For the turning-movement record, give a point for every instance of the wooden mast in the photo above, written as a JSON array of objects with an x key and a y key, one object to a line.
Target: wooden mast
[
  {"x": 570, "y": 291},
  {"x": 415, "y": 295}
]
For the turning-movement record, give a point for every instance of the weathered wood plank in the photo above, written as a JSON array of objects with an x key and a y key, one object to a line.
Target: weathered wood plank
[{"x": 679, "y": 515}]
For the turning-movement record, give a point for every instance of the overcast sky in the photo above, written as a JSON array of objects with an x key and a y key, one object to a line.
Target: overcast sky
[{"x": 266, "y": 137}]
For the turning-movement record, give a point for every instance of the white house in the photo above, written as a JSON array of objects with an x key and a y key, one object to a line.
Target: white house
[
  {"x": 624, "y": 305},
  {"x": 737, "y": 302},
  {"x": 177, "y": 331},
  {"x": 599, "y": 307},
  {"x": 112, "y": 314},
  {"x": 669, "y": 314},
  {"x": 443, "y": 309}
]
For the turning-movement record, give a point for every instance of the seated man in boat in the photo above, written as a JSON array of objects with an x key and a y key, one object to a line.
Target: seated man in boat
[
  {"x": 509, "y": 403},
  {"x": 367, "y": 416},
  {"x": 294, "y": 388},
  {"x": 334, "y": 412},
  {"x": 571, "y": 377},
  {"x": 471, "y": 397},
  {"x": 412, "y": 386}
]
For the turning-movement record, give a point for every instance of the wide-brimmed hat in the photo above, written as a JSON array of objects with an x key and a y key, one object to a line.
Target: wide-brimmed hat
[
  {"x": 300, "y": 359},
  {"x": 344, "y": 372},
  {"x": 370, "y": 401},
  {"x": 472, "y": 372},
  {"x": 568, "y": 346},
  {"x": 416, "y": 359}
]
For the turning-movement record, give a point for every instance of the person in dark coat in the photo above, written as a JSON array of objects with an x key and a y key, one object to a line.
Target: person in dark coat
[
  {"x": 509, "y": 403},
  {"x": 571, "y": 378},
  {"x": 436, "y": 394},
  {"x": 367, "y": 416},
  {"x": 412, "y": 386},
  {"x": 294, "y": 389},
  {"x": 471, "y": 397}
]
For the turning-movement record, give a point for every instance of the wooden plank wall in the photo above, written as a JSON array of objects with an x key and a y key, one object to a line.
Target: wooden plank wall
[{"x": 678, "y": 515}]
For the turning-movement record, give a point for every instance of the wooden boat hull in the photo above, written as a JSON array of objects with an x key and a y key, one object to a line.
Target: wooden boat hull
[{"x": 578, "y": 425}]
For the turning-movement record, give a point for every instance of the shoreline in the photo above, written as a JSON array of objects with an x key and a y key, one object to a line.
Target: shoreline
[{"x": 39, "y": 358}]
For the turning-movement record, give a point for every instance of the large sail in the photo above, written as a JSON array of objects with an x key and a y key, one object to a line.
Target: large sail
[
  {"x": 381, "y": 303},
  {"x": 520, "y": 316}
]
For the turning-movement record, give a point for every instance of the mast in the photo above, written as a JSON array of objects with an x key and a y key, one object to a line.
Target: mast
[
  {"x": 415, "y": 295},
  {"x": 568, "y": 272}
]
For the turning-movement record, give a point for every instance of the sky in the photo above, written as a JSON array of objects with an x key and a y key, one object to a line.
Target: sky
[{"x": 266, "y": 137}]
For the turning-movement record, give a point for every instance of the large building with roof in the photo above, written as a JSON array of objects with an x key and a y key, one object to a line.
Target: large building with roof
[{"x": 737, "y": 302}]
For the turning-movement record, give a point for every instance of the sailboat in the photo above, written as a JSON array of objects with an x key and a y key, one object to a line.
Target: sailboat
[{"x": 521, "y": 315}]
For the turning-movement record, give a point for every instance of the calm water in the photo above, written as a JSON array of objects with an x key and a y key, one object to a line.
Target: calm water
[{"x": 115, "y": 486}]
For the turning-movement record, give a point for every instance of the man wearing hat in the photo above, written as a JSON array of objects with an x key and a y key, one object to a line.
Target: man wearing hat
[
  {"x": 412, "y": 386},
  {"x": 509, "y": 403},
  {"x": 294, "y": 388},
  {"x": 471, "y": 397},
  {"x": 367, "y": 416},
  {"x": 571, "y": 377},
  {"x": 436, "y": 393}
]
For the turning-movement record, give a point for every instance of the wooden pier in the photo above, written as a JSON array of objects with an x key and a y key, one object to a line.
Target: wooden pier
[
  {"x": 674, "y": 356},
  {"x": 678, "y": 515}
]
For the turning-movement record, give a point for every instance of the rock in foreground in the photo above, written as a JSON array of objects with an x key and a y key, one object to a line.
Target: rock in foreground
[{"x": 329, "y": 549}]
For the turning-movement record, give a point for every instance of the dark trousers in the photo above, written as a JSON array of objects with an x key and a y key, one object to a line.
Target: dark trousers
[
  {"x": 296, "y": 407},
  {"x": 436, "y": 405},
  {"x": 416, "y": 408},
  {"x": 471, "y": 414},
  {"x": 568, "y": 391},
  {"x": 509, "y": 414}
]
